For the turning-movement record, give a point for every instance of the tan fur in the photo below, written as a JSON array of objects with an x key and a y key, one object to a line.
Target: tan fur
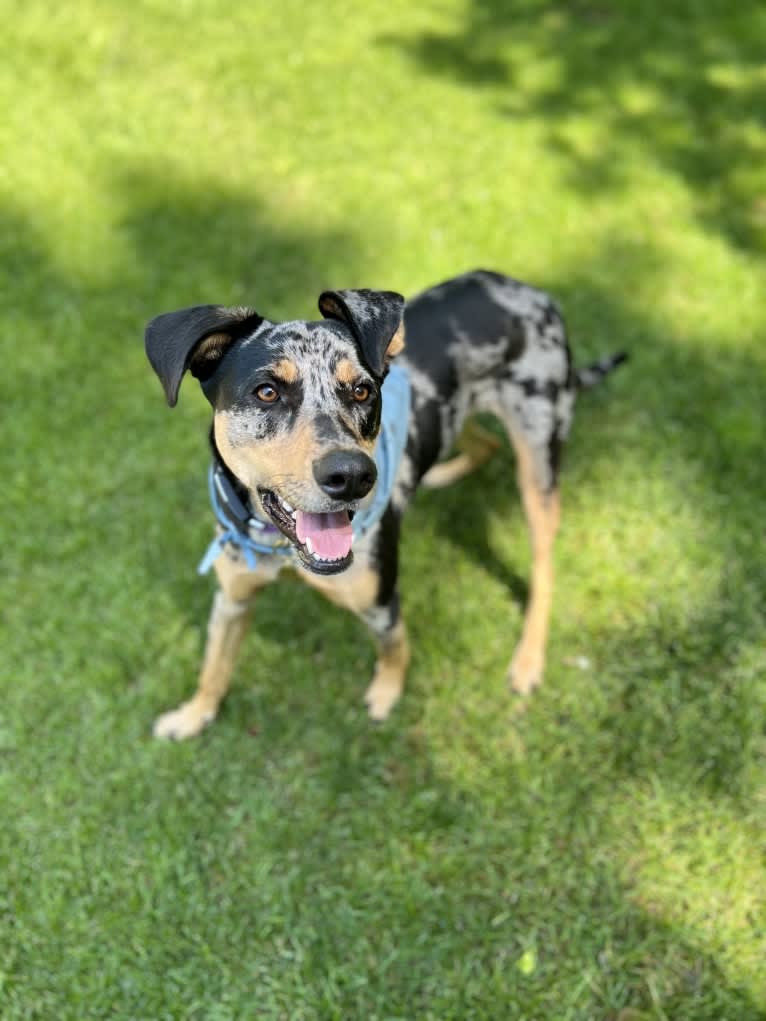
[
  {"x": 275, "y": 464},
  {"x": 285, "y": 467},
  {"x": 227, "y": 625},
  {"x": 286, "y": 371},
  {"x": 211, "y": 348},
  {"x": 347, "y": 372},
  {"x": 390, "y": 672},
  {"x": 476, "y": 444},
  {"x": 328, "y": 306},
  {"x": 543, "y": 513},
  {"x": 355, "y": 589},
  {"x": 396, "y": 344}
]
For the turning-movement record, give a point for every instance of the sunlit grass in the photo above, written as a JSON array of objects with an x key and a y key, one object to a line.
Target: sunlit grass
[{"x": 595, "y": 853}]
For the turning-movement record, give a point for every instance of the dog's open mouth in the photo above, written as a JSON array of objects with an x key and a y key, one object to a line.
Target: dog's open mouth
[{"x": 323, "y": 541}]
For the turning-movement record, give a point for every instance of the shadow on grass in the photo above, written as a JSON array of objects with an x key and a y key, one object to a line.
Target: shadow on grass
[
  {"x": 479, "y": 880},
  {"x": 187, "y": 238},
  {"x": 706, "y": 732},
  {"x": 680, "y": 81},
  {"x": 677, "y": 703},
  {"x": 446, "y": 889},
  {"x": 177, "y": 242}
]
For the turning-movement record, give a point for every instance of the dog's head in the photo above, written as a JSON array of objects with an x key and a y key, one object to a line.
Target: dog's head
[{"x": 296, "y": 406}]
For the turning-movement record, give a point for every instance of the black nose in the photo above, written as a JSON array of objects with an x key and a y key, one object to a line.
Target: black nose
[{"x": 345, "y": 474}]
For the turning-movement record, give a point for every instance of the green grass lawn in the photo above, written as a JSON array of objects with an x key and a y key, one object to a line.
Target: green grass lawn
[{"x": 598, "y": 853}]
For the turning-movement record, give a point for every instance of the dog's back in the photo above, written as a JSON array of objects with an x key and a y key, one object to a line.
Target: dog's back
[{"x": 485, "y": 342}]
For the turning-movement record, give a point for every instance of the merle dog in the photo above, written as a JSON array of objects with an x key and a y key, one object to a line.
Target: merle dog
[{"x": 296, "y": 424}]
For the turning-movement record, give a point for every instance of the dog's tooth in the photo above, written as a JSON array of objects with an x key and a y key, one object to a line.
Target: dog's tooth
[
  {"x": 308, "y": 545},
  {"x": 287, "y": 506}
]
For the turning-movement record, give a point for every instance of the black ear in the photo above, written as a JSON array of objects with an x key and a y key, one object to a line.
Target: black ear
[
  {"x": 375, "y": 320},
  {"x": 194, "y": 338}
]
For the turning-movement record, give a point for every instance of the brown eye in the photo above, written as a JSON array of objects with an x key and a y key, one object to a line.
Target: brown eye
[
  {"x": 266, "y": 393},
  {"x": 361, "y": 392}
]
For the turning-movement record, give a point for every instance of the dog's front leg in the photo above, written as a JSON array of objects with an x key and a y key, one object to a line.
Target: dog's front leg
[
  {"x": 227, "y": 625},
  {"x": 382, "y": 615},
  {"x": 387, "y": 685},
  {"x": 226, "y": 628},
  {"x": 360, "y": 592},
  {"x": 369, "y": 590}
]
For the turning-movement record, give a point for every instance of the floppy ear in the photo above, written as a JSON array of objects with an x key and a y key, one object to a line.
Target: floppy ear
[
  {"x": 375, "y": 320},
  {"x": 196, "y": 339}
]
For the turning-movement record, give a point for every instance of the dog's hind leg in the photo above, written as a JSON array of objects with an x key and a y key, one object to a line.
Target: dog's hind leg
[
  {"x": 476, "y": 446},
  {"x": 540, "y": 497},
  {"x": 227, "y": 625}
]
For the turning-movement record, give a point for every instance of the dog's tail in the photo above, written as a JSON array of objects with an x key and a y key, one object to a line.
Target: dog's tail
[{"x": 592, "y": 374}]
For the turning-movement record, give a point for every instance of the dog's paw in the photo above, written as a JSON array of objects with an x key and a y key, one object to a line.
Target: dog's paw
[
  {"x": 187, "y": 720},
  {"x": 381, "y": 697},
  {"x": 526, "y": 671}
]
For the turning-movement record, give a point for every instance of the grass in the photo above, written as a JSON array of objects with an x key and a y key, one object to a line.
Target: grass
[{"x": 596, "y": 855}]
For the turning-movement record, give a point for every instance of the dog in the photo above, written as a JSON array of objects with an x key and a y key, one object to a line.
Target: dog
[{"x": 296, "y": 433}]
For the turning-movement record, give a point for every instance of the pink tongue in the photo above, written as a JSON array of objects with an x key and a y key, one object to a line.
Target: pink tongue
[{"x": 330, "y": 534}]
